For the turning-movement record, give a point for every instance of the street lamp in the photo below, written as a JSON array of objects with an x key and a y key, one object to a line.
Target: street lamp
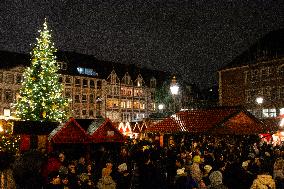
[
  {"x": 174, "y": 90},
  {"x": 259, "y": 101},
  {"x": 161, "y": 107}
]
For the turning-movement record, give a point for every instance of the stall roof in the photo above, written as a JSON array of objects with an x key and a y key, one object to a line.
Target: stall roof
[
  {"x": 104, "y": 131},
  {"x": 69, "y": 133},
  {"x": 217, "y": 120}
]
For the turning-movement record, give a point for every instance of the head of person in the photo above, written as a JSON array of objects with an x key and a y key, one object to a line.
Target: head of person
[
  {"x": 54, "y": 178},
  {"x": 72, "y": 167},
  {"x": 216, "y": 178},
  {"x": 61, "y": 156}
]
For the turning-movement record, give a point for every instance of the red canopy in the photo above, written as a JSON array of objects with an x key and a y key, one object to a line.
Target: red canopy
[
  {"x": 217, "y": 120},
  {"x": 106, "y": 132},
  {"x": 69, "y": 133}
]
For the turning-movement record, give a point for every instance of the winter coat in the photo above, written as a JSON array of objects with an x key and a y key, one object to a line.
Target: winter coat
[{"x": 263, "y": 182}]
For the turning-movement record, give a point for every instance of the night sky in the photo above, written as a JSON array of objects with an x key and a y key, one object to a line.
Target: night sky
[{"x": 191, "y": 38}]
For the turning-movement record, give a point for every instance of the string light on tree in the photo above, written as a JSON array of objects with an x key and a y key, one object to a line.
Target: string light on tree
[{"x": 40, "y": 96}]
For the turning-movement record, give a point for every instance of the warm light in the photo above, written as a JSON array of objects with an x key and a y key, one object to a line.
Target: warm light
[
  {"x": 259, "y": 100},
  {"x": 7, "y": 113},
  {"x": 174, "y": 89},
  {"x": 161, "y": 106},
  {"x": 1, "y": 129}
]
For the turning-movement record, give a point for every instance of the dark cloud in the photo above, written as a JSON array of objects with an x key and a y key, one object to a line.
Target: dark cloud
[{"x": 191, "y": 38}]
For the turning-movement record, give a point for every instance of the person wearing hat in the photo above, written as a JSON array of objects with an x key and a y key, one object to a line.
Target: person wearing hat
[
  {"x": 207, "y": 171},
  {"x": 195, "y": 169}
]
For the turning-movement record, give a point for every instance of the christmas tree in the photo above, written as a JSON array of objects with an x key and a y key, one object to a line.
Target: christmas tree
[{"x": 40, "y": 96}]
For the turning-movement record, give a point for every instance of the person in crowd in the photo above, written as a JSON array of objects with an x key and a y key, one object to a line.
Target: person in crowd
[
  {"x": 278, "y": 172},
  {"x": 122, "y": 177},
  {"x": 207, "y": 171},
  {"x": 81, "y": 166},
  {"x": 65, "y": 181},
  {"x": 195, "y": 169},
  {"x": 216, "y": 181},
  {"x": 72, "y": 175},
  {"x": 54, "y": 181},
  {"x": 263, "y": 180},
  {"x": 106, "y": 181}
]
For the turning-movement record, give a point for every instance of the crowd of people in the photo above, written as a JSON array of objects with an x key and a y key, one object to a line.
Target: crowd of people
[{"x": 184, "y": 162}]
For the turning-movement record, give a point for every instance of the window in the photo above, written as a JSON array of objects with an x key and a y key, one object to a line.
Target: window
[
  {"x": 86, "y": 71},
  {"x": 128, "y": 104},
  {"x": 77, "y": 99},
  {"x": 19, "y": 78},
  {"x": 91, "y": 98},
  {"x": 91, "y": 113},
  {"x": 8, "y": 96},
  {"x": 84, "y": 98},
  {"x": 68, "y": 81},
  {"x": 68, "y": 93},
  {"x": 77, "y": 82},
  {"x": 9, "y": 78},
  {"x": 92, "y": 84},
  {"x": 62, "y": 65},
  {"x": 254, "y": 75},
  {"x": 99, "y": 84},
  {"x": 265, "y": 73},
  {"x": 123, "y": 104},
  {"x": 85, "y": 83},
  {"x": 269, "y": 112}
]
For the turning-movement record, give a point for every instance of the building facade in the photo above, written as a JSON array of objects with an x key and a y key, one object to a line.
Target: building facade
[
  {"x": 259, "y": 87},
  {"x": 91, "y": 94},
  {"x": 255, "y": 78}
]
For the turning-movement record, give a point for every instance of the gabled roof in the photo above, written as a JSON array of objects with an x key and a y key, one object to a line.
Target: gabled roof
[
  {"x": 218, "y": 120},
  {"x": 168, "y": 125},
  {"x": 69, "y": 133},
  {"x": 105, "y": 132}
]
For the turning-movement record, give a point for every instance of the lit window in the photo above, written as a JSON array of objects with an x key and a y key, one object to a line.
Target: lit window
[
  {"x": 84, "y": 98},
  {"x": 269, "y": 112},
  {"x": 85, "y": 82},
  {"x": 281, "y": 111},
  {"x": 77, "y": 82}
]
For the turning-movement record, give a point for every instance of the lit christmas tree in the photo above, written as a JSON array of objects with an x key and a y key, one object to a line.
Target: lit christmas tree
[{"x": 41, "y": 93}]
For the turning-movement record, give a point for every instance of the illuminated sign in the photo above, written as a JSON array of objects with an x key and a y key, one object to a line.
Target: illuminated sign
[{"x": 87, "y": 71}]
